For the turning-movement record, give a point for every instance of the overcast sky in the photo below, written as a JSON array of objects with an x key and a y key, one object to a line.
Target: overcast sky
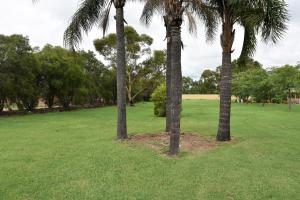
[{"x": 46, "y": 21}]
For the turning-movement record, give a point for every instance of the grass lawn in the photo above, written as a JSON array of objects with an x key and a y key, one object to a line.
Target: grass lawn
[{"x": 74, "y": 155}]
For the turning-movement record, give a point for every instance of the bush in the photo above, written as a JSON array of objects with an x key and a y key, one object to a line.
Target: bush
[{"x": 159, "y": 99}]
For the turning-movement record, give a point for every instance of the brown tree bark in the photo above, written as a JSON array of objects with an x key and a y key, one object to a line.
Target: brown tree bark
[
  {"x": 168, "y": 78},
  {"x": 227, "y": 38},
  {"x": 121, "y": 71},
  {"x": 176, "y": 88},
  {"x": 225, "y": 99}
]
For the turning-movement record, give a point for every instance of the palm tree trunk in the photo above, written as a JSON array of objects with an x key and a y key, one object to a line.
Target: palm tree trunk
[
  {"x": 168, "y": 83},
  {"x": 176, "y": 89},
  {"x": 121, "y": 74},
  {"x": 227, "y": 38},
  {"x": 225, "y": 99}
]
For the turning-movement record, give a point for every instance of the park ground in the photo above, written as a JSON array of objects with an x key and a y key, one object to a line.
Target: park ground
[{"x": 74, "y": 155}]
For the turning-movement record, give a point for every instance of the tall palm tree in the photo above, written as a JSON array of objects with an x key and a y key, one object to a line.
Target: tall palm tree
[
  {"x": 267, "y": 17},
  {"x": 96, "y": 12},
  {"x": 173, "y": 12}
]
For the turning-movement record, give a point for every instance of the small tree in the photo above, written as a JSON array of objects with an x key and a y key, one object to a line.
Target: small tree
[
  {"x": 285, "y": 80},
  {"x": 159, "y": 98},
  {"x": 209, "y": 82}
]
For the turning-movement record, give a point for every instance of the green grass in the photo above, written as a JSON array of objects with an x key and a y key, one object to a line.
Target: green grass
[{"x": 74, "y": 155}]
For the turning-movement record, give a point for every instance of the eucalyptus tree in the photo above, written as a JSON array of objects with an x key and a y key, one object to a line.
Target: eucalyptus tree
[
  {"x": 97, "y": 12},
  {"x": 173, "y": 13},
  {"x": 137, "y": 47}
]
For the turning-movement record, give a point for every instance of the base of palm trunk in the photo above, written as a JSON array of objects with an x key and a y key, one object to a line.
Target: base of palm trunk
[
  {"x": 223, "y": 137},
  {"x": 174, "y": 144},
  {"x": 122, "y": 137}
]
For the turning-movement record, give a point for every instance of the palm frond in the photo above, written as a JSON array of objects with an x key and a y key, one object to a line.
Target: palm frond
[
  {"x": 104, "y": 18},
  {"x": 192, "y": 24},
  {"x": 249, "y": 44},
  {"x": 151, "y": 7},
  {"x": 274, "y": 24},
  {"x": 208, "y": 16},
  {"x": 88, "y": 14}
]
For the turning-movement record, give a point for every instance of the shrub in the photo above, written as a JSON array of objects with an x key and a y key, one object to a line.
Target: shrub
[{"x": 159, "y": 99}]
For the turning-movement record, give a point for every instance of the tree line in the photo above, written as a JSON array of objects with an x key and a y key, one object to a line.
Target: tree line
[
  {"x": 274, "y": 85},
  {"x": 62, "y": 77},
  {"x": 251, "y": 82}
]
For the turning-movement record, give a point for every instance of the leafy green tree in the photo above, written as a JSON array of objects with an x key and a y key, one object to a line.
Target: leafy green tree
[
  {"x": 244, "y": 64},
  {"x": 241, "y": 86},
  {"x": 256, "y": 16},
  {"x": 100, "y": 81},
  {"x": 209, "y": 82},
  {"x": 154, "y": 72},
  {"x": 19, "y": 73},
  {"x": 261, "y": 86},
  {"x": 254, "y": 83},
  {"x": 187, "y": 85},
  {"x": 63, "y": 77},
  {"x": 97, "y": 12},
  {"x": 285, "y": 81},
  {"x": 138, "y": 71},
  {"x": 190, "y": 86}
]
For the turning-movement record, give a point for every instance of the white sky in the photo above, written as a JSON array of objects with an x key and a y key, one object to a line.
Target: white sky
[{"x": 46, "y": 21}]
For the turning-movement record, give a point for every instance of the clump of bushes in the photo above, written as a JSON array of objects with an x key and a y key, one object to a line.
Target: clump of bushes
[{"x": 159, "y": 98}]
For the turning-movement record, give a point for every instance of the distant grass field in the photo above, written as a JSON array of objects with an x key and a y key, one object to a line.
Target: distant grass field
[
  {"x": 201, "y": 96},
  {"x": 74, "y": 155}
]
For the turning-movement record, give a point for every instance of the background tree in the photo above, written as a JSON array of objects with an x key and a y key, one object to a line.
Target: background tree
[
  {"x": 100, "y": 81},
  {"x": 244, "y": 64},
  {"x": 187, "y": 85},
  {"x": 261, "y": 86},
  {"x": 93, "y": 12},
  {"x": 209, "y": 82},
  {"x": 241, "y": 86},
  {"x": 285, "y": 80},
  {"x": 141, "y": 68},
  {"x": 254, "y": 83},
  {"x": 63, "y": 77},
  {"x": 154, "y": 71},
  {"x": 19, "y": 73}
]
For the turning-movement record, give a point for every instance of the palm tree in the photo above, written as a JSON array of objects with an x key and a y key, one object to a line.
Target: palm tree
[
  {"x": 173, "y": 12},
  {"x": 93, "y": 12},
  {"x": 267, "y": 17}
]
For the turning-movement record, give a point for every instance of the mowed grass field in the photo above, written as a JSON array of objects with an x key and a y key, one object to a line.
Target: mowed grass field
[{"x": 74, "y": 155}]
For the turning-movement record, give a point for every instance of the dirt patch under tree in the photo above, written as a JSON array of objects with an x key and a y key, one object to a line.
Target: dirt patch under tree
[{"x": 192, "y": 143}]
